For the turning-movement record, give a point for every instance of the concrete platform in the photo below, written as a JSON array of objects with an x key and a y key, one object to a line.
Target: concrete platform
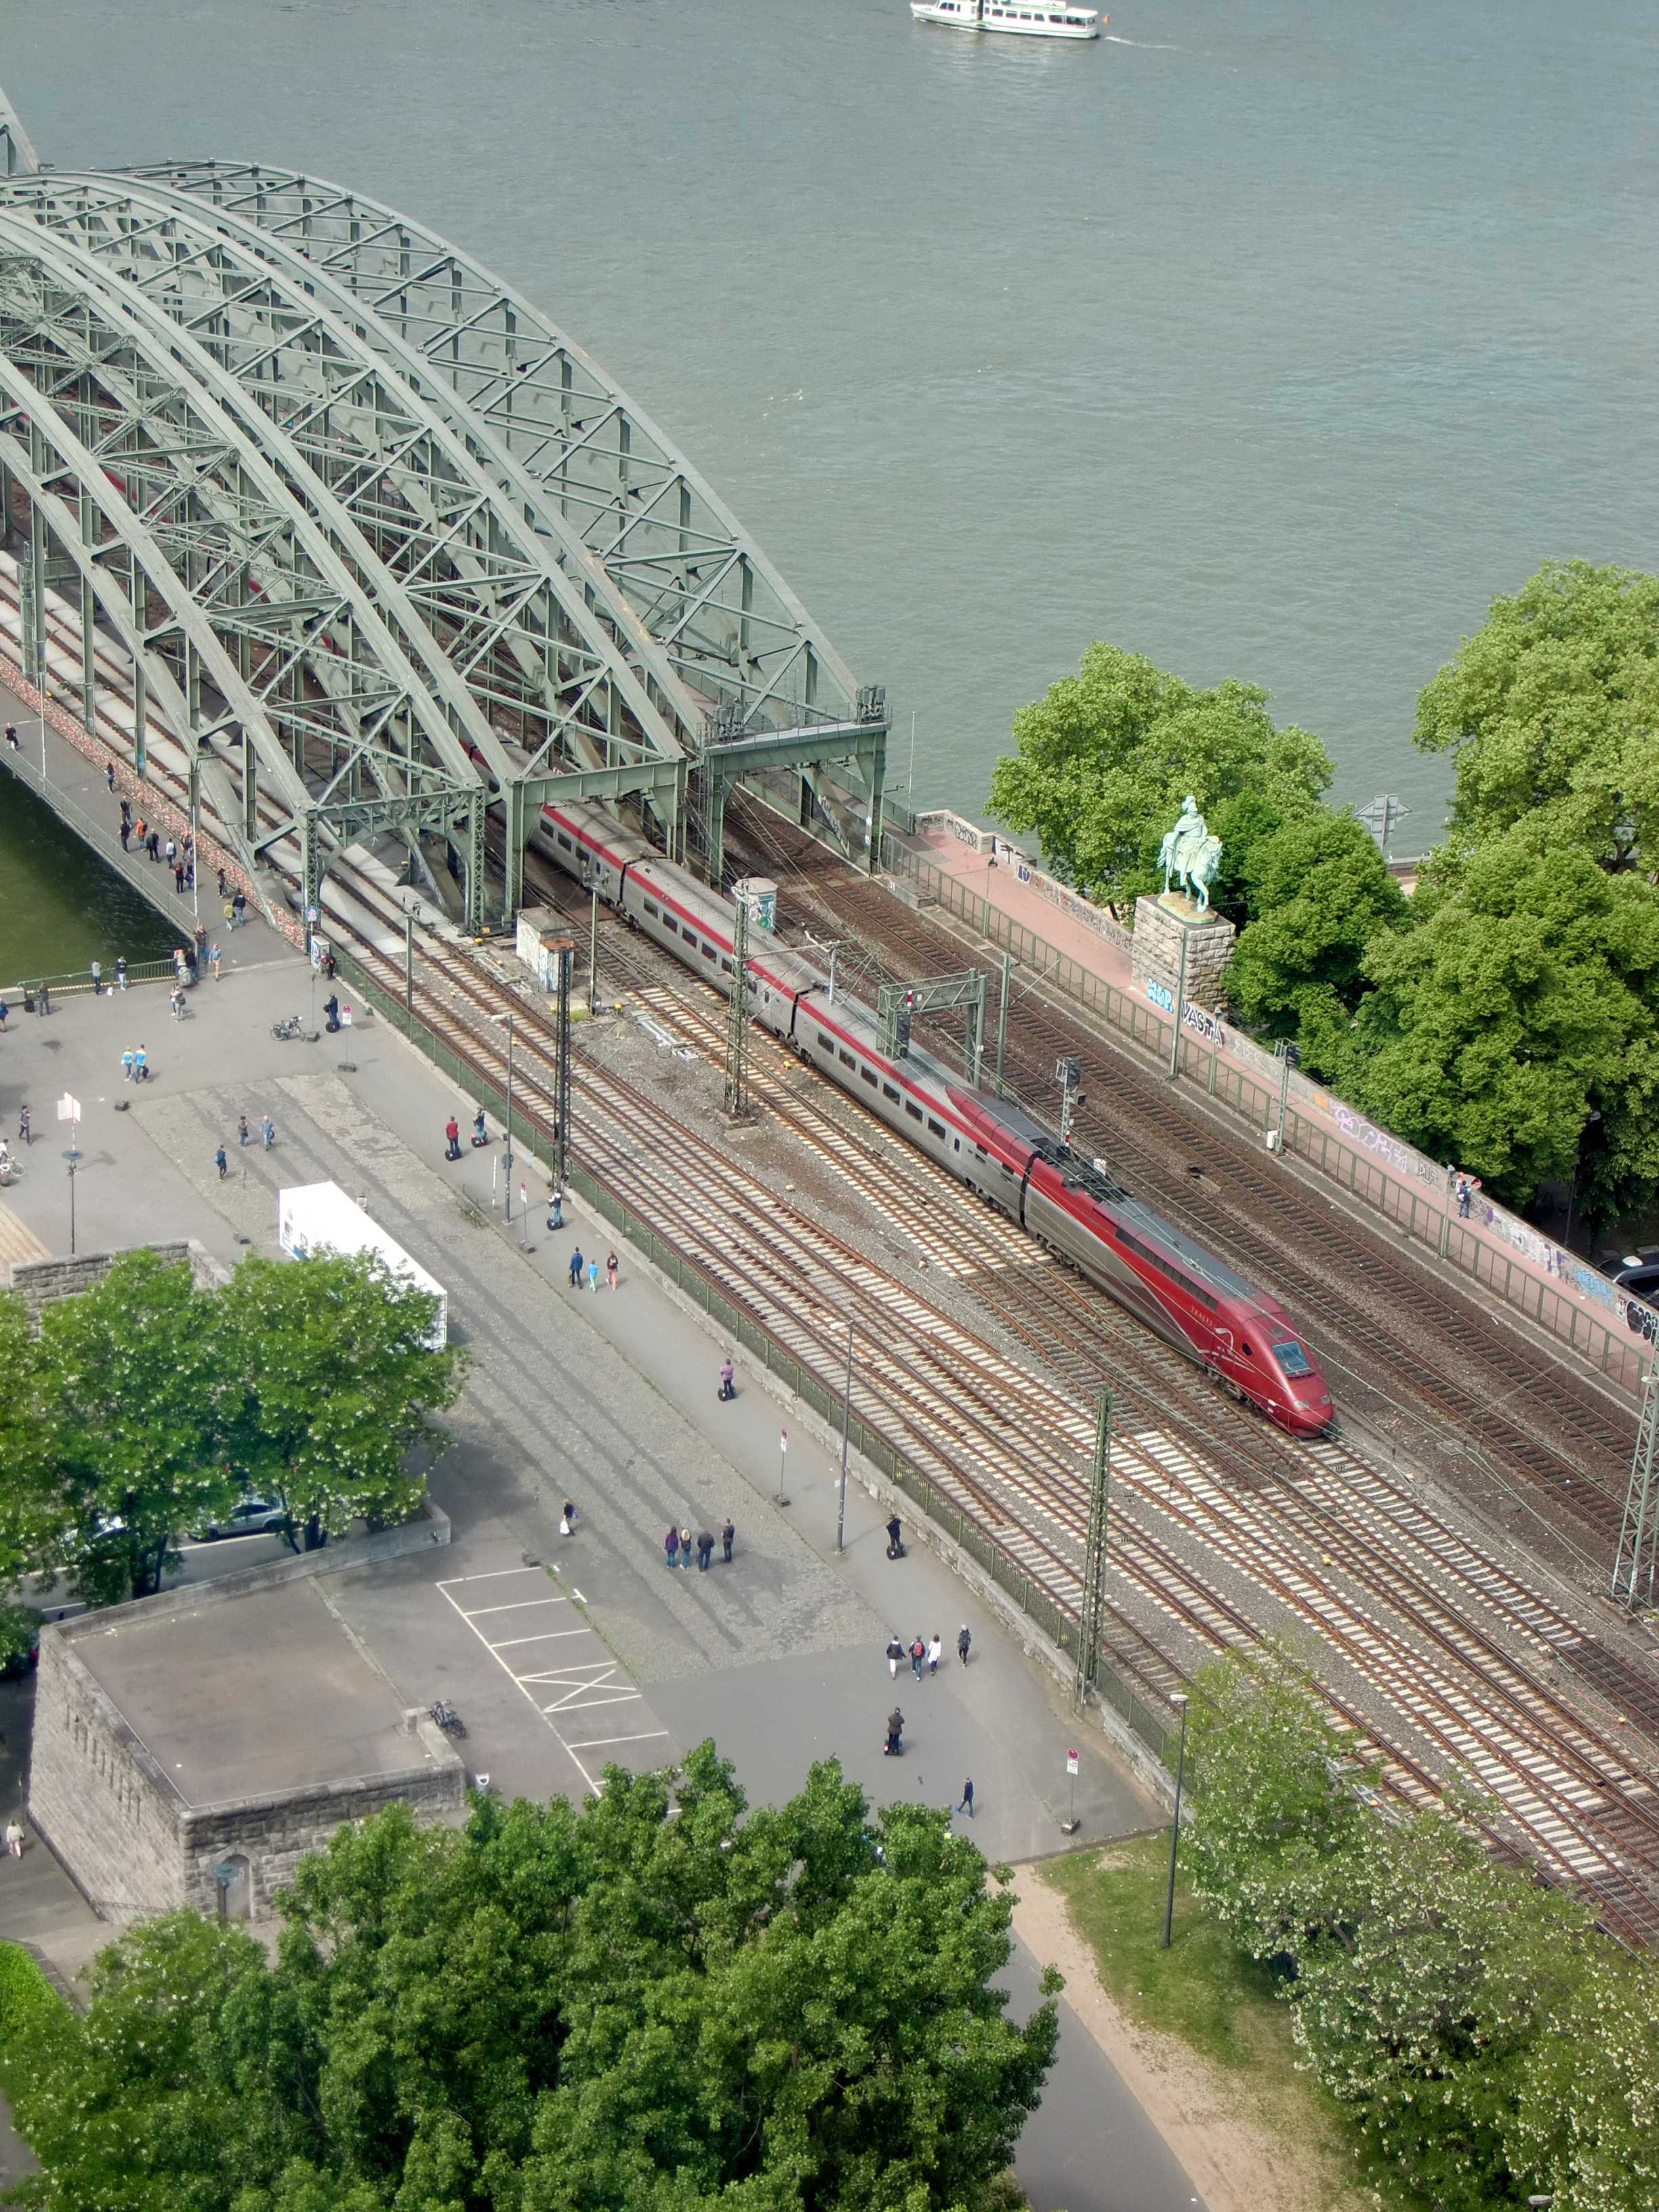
[{"x": 608, "y": 1400}]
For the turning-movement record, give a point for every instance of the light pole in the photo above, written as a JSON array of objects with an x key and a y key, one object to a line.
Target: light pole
[
  {"x": 1180, "y": 1009},
  {"x": 846, "y": 1424},
  {"x": 1178, "y": 1699},
  {"x": 507, "y": 1019},
  {"x": 783, "y": 1462}
]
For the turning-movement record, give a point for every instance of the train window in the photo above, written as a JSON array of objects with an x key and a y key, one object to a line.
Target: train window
[
  {"x": 828, "y": 1042},
  {"x": 1245, "y": 1349},
  {"x": 1292, "y": 1358},
  {"x": 913, "y": 1109},
  {"x": 708, "y": 951},
  {"x": 869, "y": 1075},
  {"x": 847, "y": 1058},
  {"x": 726, "y": 966},
  {"x": 565, "y": 842},
  {"x": 937, "y": 1128},
  {"x": 651, "y": 907},
  {"x": 1167, "y": 1267},
  {"x": 672, "y": 925},
  {"x": 889, "y": 1091}
]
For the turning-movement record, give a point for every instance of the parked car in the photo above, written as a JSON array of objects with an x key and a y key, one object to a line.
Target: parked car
[{"x": 249, "y": 1516}]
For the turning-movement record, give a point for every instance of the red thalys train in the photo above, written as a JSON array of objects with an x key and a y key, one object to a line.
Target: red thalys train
[{"x": 1073, "y": 1204}]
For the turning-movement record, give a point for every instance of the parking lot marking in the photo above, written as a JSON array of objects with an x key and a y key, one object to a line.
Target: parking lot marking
[{"x": 577, "y": 1688}]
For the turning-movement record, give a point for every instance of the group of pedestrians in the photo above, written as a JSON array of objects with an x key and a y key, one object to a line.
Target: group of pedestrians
[
  {"x": 244, "y": 1138},
  {"x": 679, "y": 1543},
  {"x": 924, "y": 1651},
  {"x": 579, "y": 1268}
]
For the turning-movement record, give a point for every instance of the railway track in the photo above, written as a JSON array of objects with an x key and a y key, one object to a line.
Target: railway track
[
  {"x": 1402, "y": 1342},
  {"x": 1460, "y": 1650},
  {"x": 1441, "y": 1660}
]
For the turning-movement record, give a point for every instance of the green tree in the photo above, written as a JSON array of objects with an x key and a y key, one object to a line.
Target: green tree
[
  {"x": 1316, "y": 889},
  {"x": 1550, "y": 713},
  {"x": 330, "y": 1384},
  {"x": 1103, "y": 761},
  {"x": 130, "y": 1373},
  {"x": 1524, "y": 1001},
  {"x": 649, "y": 2002},
  {"x": 30, "y": 1508}
]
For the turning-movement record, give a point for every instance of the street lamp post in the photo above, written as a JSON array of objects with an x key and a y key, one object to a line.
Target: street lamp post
[{"x": 1178, "y": 1699}]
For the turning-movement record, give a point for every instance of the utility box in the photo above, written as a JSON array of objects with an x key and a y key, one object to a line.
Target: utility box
[
  {"x": 543, "y": 936},
  {"x": 319, "y": 1217},
  {"x": 760, "y": 895}
]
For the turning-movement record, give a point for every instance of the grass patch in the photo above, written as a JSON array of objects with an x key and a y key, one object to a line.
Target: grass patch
[
  {"x": 24, "y": 1991},
  {"x": 1211, "y": 1996}
]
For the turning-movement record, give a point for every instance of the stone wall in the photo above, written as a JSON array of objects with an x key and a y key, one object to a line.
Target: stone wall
[
  {"x": 97, "y": 1795},
  {"x": 39, "y": 1282}
]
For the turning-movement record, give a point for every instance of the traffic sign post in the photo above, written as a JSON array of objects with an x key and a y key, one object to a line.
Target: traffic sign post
[
  {"x": 1069, "y": 1825},
  {"x": 783, "y": 1461}
]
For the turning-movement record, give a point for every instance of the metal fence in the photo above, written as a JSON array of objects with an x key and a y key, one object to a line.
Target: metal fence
[
  {"x": 1059, "y": 1625},
  {"x": 1619, "y": 1353}
]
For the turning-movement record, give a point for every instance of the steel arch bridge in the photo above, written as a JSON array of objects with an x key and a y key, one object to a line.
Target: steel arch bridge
[{"x": 381, "y": 550}]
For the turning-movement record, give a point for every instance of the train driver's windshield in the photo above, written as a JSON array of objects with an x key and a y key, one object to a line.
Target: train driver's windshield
[{"x": 1292, "y": 1358}]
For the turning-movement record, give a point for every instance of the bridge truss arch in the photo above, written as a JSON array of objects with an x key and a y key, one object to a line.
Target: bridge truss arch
[{"x": 386, "y": 551}]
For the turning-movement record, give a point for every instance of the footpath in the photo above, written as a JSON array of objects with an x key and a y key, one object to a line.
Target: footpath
[{"x": 607, "y": 1399}]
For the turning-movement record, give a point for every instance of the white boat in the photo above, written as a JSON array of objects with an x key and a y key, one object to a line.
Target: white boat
[{"x": 1025, "y": 18}]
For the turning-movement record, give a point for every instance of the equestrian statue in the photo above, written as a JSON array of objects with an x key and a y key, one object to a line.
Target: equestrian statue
[{"x": 1189, "y": 851}]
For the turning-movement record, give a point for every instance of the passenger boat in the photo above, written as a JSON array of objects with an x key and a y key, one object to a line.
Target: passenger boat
[{"x": 1059, "y": 20}]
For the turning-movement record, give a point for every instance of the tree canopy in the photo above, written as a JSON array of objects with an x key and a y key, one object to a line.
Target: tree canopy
[
  {"x": 652, "y": 2002},
  {"x": 1103, "y": 760},
  {"x": 1551, "y": 714},
  {"x": 147, "y": 1405},
  {"x": 332, "y": 1379},
  {"x": 1491, "y": 2044}
]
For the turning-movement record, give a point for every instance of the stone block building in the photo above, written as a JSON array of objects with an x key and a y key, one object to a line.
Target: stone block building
[{"x": 230, "y": 1726}]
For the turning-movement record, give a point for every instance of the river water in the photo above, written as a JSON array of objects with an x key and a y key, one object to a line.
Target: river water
[{"x": 1270, "y": 342}]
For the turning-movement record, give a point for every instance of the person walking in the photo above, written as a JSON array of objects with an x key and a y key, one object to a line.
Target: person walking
[
  {"x": 129, "y": 1061},
  {"x": 126, "y": 832},
  {"x": 241, "y": 1130},
  {"x": 43, "y": 1004},
  {"x": 611, "y": 1266},
  {"x": 727, "y": 1532},
  {"x": 671, "y": 1544},
  {"x": 576, "y": 1266},
  {"x": 109, "y": 776},
  {"x": 120, "y": 972},
  {"x": 25, "y": 1132},
  {"x": 171, "y": 849},
  {"x": 967, "y": 1804},
  {"x": 685, "y": 1548},
  {"x": 221, "y": 1163},
  {"x": 179, "y": 877},
  {"x": 918, "y": 1653},
  {"x": 593, "y": 1277},
  {"x": 140, "y": 1065},
  {"x": 5, "y": 1015},
  {"x": 224, "y": 888},
  {"x": 555, "y": 1209},
  {"x": 267, "y": 1131},
  {"x": 11, "y": 735},
  {"x": 14, "y": 1837},
  {"x": 97, "y": 973},
  {"x": 895, "y": 1733},
  {"x": 705, "y": 1551},
  {"x": 933, "y": 1650},
  {"x": 567, "y": 1518},
  {"x": 201, "y": 941},
  {"x": 238, "y": 910},
  {"x": 229, "y": 912},
  {"x": 452, "y": 1140},
  {"x": 153, "y": 844},
  {"x": 895, "y": 1653},
  {"x": 964, "y": 1639},
  {"x": 215, "y": 956}
]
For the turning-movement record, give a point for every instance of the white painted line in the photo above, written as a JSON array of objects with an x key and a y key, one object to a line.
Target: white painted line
[
  {"x": 594, "y": 1742},
  {"x": 553, "y": 1635},
  {"x": 518, "y": 1604},
  {"x": 577, "y": 1595},
  {"x": 461, "y": 1611},
  {"x": 574, "y": 1705},
  {"x": 495, "y": 1575}
]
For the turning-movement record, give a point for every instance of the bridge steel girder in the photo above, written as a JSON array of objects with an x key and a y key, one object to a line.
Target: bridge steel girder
[
  {"x": 234, "y": 525},
  {"x": 734, "y": 636},
  {"x": 253, "y": 308},
  {"x": 726, "y": 762}
]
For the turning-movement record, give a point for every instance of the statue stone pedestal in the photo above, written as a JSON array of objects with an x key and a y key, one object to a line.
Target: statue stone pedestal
[{"x": 1163, "y": 926}]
